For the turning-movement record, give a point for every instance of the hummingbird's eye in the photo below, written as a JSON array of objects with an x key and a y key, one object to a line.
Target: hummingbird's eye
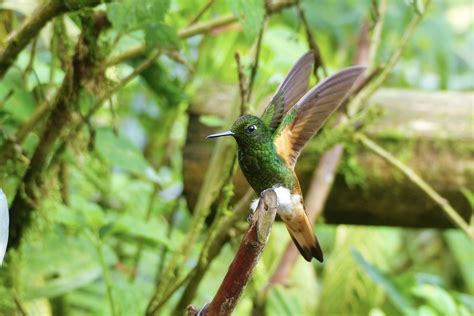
[{"x": 251, "y": 128}]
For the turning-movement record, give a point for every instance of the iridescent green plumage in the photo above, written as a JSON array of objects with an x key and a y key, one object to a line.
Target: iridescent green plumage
[{"x": 257, "y": 156}]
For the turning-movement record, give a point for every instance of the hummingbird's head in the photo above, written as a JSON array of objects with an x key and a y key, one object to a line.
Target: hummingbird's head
[{"x": 247, "y": 130}]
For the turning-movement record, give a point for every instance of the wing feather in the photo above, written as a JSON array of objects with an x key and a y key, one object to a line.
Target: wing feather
[
  {"x": 293, "y": 87},
  {"x": 307, "y": 116}
]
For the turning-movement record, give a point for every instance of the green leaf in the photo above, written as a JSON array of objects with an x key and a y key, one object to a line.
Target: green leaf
[
  {"x": 18, "y": 100},
  {"x": 129, "y": 15},
  {"x": 397, "y": 297},
  {"x": 250, "y": 15},
  {"x": 160, "y": 35},
  {"x": 437, "y": 298}
]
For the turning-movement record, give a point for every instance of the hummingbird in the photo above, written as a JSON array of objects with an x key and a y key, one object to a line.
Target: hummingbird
[{"x": 269, "y": 146}]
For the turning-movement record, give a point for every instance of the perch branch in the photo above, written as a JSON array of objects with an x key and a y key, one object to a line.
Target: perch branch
[
  {"x": 212, "y": 247},
  {"x": 416, "y": 179},
  {"x": 248, "y": 254}
]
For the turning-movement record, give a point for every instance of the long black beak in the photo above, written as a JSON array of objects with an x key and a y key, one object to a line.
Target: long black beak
[{"x": 227, "y": 133}]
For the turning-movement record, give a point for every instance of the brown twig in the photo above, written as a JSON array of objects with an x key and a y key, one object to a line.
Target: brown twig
[
  {"x": 313, "y": 45},
  {"x": 248, "y": 254},
  {"x": 256, "y": 60},
  {"x": 242, "y": 86},
  {"x": 201, "y": 12}
]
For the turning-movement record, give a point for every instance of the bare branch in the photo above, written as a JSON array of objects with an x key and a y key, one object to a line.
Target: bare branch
[
  {"x": 201, "y": 12},
  {"x": 242, "y": 86},
  {"x": 318, "y": 61},
  {"x": 253, "y": 70},
  {"x": 248, "y": 254}
]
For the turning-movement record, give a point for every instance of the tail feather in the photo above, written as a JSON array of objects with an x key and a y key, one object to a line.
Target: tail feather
[{"x": 305, "y": 240}]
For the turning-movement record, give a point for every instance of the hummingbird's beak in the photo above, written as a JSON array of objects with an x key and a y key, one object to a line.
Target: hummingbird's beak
[{"x": 227, "y": 133}]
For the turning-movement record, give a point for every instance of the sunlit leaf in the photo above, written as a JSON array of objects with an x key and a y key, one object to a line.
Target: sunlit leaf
[{"x": 161, "y": 36}]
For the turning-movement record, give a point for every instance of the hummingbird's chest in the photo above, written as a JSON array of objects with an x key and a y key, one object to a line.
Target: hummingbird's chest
[{"x": 263, "y": 169}]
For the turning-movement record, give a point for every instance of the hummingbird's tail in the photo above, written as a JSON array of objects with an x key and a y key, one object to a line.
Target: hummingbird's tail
[{"x": 301, "y": 231}]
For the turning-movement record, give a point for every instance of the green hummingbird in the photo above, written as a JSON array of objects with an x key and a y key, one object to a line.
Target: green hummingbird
[{"x": 269, "y": 146}]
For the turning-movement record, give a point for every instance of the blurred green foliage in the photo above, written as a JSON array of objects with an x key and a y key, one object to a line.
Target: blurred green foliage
[{"x": 126, "y": 213}]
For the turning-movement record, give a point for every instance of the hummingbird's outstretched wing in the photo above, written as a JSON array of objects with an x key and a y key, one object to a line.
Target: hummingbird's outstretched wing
[
  {"x": 290, "y": 91},
  {"x": 307, "y": 116}
]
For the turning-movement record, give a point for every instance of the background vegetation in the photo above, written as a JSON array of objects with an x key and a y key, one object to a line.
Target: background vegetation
[{"x": 96, "y": 104}]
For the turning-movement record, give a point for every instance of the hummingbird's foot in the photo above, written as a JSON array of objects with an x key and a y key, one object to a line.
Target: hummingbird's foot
[{"x": 253, "y": 207}]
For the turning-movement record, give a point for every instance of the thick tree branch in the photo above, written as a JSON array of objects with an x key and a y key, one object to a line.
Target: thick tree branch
[
  {"x": 248, "y": 254},
  {"x": 18, "y": 40},
  {"x": 416, "y": 179}
]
